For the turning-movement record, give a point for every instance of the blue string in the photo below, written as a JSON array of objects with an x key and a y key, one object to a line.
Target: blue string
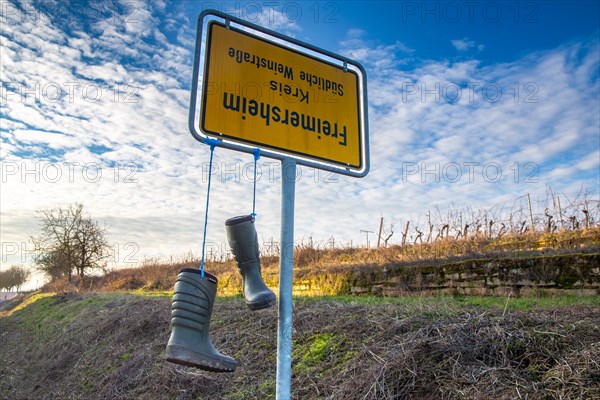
[
  {"x": 256, "y": 153},
  {"x": 212, "y": 143}
]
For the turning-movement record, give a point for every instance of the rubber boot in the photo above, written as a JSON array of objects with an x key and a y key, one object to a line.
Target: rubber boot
[
  {"x": 243, "y": 242},
  {"x": 192, "y": 307}
]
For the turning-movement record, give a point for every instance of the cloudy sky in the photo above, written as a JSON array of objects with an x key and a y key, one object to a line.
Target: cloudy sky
[{"x": 472, "y": 106}]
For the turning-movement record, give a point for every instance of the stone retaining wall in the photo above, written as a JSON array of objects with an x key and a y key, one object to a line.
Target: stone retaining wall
[{"x": 574, "y": 273}]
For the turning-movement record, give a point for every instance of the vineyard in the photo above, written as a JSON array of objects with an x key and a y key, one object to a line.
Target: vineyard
[
  {"x": 524, "y": 216},
  {"x": 540, "y": 233}
]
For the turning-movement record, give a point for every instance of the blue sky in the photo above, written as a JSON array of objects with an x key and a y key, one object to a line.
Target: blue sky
[{"x": 472, "y": 106}]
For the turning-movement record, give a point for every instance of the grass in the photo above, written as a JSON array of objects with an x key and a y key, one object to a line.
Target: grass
[
  {"x": 30, "y": 300},
  {"x": 152, "y": 293},
  {"x": 531, "y": 303},
  {"x": 311, "y": 353},
  {"x": 484, "y": 302},
  {"x": 523, "y": 303},
  {"x": 111, "y": 345}
]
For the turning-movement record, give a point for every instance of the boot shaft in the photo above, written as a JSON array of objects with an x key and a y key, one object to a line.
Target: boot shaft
[
  {"x": 243, "y": 239},
  {"x": 193, "y": 301}
]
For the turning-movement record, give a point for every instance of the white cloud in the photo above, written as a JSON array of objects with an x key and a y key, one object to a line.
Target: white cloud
[
  {"x": 275, "y": 20},
  {"x": 380, "y": 56},
  {"x": 355, "y": 33},
  {"x": 465, "y": 44},
  {"x": 137, "y": 18},
  {"x": 55, "y": 140},
  {"x": 590, "y": 162}
]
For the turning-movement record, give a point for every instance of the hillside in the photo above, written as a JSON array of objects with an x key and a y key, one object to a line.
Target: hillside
[
  {"x": 110, "y": 346},
  {"x": 535, "y": 335},
  {"x": 521, "y": 264}
]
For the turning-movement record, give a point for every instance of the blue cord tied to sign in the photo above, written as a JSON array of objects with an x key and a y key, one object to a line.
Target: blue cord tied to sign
[
  {"x": 256, "y": 153},
  {"x": 212, "y": 143}
]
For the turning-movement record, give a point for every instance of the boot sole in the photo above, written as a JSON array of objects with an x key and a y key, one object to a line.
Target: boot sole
[
  {"x": 259, "y": 305},
  {"x": 182, "y": 356}
]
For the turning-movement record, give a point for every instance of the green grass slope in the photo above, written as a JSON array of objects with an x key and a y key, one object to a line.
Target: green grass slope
[{"x": 111, "y": 346}]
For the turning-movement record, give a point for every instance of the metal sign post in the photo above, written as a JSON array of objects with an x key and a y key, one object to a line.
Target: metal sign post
[{"x": 286, "y": 275}]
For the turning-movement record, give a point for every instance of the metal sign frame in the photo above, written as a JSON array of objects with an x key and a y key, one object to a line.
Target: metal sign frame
[{"x": 291, "y": 44}]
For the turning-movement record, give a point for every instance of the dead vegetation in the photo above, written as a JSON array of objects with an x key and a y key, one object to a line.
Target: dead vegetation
[
  {"x": 110, "y": 346},
  {"x": 312, "y": 261},
  {"x": 529, "y": 226}
]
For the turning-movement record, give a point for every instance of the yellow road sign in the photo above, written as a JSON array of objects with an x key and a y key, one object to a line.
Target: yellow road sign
[{"x": 258, "y": 92}]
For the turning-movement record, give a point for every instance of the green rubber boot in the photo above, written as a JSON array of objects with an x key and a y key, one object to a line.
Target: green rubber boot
[
  {"x": 190, "y": 320},
  {"x": 243, "y": 242}
]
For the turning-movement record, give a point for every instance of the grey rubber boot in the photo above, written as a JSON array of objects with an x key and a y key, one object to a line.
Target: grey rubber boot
[
  {"x": 192, "y": 307},
  {"x": 243, "y": 242}
]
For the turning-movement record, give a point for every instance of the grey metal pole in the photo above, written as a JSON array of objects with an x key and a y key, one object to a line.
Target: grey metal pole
[{"x": 286, "y": 274}]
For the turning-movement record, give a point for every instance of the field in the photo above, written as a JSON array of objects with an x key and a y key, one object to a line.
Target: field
[
  {"x": 104, "y": 337},
  {"x": 111, "y": 346}
]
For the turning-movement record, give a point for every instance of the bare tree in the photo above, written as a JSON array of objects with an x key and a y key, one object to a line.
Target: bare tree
[
  {"x": 52, "y": 262},
  {"x": 14, "y": 277},
  {"x": 92, "y": 245},
  {"x": 69, "y": 241}
]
